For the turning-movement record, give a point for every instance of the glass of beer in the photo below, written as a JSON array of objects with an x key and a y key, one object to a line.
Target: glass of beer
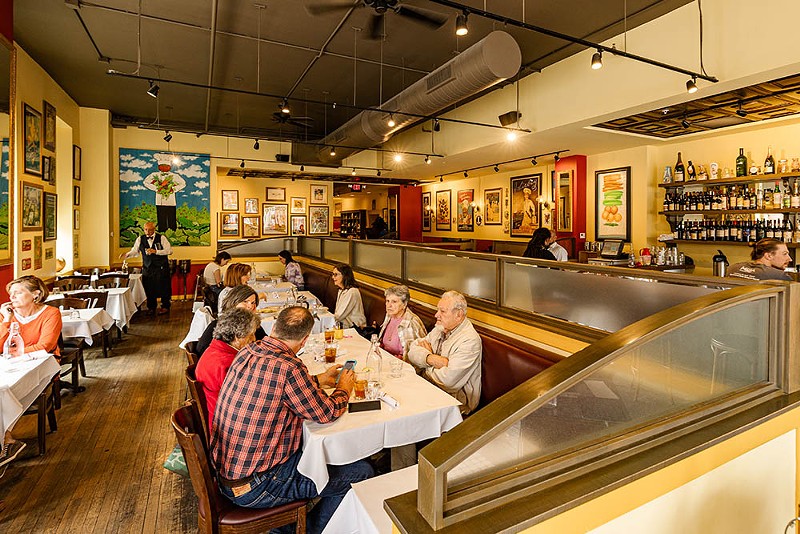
[
  {"x": 330, "y": 335},
  {"x": 339, "y": 332},
  {"x": 360, "y": 387},
  {"x": 330, "y": 352}
]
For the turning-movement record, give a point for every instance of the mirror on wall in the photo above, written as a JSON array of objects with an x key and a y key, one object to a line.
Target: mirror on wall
[
  {"x": 564, "y": 201},
  {"x": 6, "y": 143}
]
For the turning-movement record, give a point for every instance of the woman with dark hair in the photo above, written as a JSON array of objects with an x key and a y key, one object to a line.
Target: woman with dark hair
[
  {"x": 537, "y": 246},
  {"x": 769, "y": 258},
  {"x": 212, "y": 274},
  {"x": 242, "y": 296},
  {"x": 292, "y": 272},
  {"x": 349, "y": 307}
]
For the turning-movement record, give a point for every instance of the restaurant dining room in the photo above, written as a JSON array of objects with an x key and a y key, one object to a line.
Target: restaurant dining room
[{"x": 399, "y": 266}]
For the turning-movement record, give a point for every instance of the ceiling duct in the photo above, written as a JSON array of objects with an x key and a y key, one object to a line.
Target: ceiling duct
[{"x": 493, "y": 59}]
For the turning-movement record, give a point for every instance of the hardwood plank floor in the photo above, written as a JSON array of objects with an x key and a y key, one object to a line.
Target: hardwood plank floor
[{"x": 103, "y": 468}]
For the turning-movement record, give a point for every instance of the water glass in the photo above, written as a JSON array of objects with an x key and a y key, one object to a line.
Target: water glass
[
  {"x": 330, "y": 352},
  {"x": 395, "y": 368},
  {"x": 373, "y": 390},
  {"x": 360, "y": 387}
]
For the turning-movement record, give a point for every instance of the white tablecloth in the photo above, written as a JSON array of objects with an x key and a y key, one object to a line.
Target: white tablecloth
[
  {"x": 268, "y": 287},
  {"x": 322, "y": 321},
  {"x": 137, "y": 289},
  {"x": 200, "y": 321},
  {"x": 120, "y": 304},
  {"x": 21, "y": 381},
  {"x": 361, "y": 511},
  {"x": 92, "y": 321},
  {"x": 425, "y": 412}
]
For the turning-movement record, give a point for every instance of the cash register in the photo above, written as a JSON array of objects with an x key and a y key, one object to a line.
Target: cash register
[{"x": 611, "y": 254}]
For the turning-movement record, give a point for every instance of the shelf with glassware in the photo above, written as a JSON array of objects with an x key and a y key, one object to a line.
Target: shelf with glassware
[{"x": 354, "y": 223}]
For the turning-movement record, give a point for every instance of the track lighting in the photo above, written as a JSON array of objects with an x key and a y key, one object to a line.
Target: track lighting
[
  {"x": 398, "y": 158},
  {"x": 333, "y": 151},
  {"x": 685, "y": 124},
  {"x": 391, "y": 122},
  {"x": 427, "y": 160},
  {"x": 293, "y": 178},
  {"x": 176, "y": 160},
  {"x": 353, "y": 172},
  {"x": 256, "y": 146},
  {"x": 285, "y": 107},
  {"x": 691, "y": 85},
  {"x": 556, "y": 158},
  {"x": 436, "y": 126},
  {"x": 153, "y": 89},
  {"x": 466, "y": 174},
  {"x": 496, "y": 168},
  {"x": 511, "y": 135},
  {"x": 597, "y": 60},
  {"x": 441, "y": 178},
  {"x": 534, "y": 162},
  {"x": 242, "y": 164},
  {"x": 740, "y": 111},
  {"x": 461, "y": 24},
  {"x": 167, "y": 137},
  {"x": 302, "y": 168},
  {"x": 379, "y": 172}
]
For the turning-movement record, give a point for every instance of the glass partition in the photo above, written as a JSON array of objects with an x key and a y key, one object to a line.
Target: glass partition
[
  {"x": 337, "y": 251},
  {"x": 382, "y": 259},
  {"x": 311, "y": 246},
  {"x": 473, "y": 276}
]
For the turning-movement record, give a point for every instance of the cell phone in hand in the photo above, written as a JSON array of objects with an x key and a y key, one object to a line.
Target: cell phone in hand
[{"x": 349, "y": 364}]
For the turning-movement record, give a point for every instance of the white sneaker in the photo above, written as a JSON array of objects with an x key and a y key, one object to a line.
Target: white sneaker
[{"x": 11, "y": 451}]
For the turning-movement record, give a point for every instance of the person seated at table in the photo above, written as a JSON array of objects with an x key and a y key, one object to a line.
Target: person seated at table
[
  {"x": 244, "y": 297},
  {"x": 236, "y": 275},
  {"x": 559, "y": 252},
  {"x": 349, "y": 309},
  {"x": 450, "y": 355},
  {"x": 538, "y": 245},
  {"x": 769, "y": 258},
  {"x": 292, "y": 272},
  {"x": 39, "y": 327},
  {"x": 401, "y": 326},
  {"x": 234, "y": 329},
  {"x": 256, "y": 441},
  {"x": 212, "y": 274}
]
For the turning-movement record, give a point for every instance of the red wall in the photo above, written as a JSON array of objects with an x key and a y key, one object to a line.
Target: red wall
[
  {"x": 6, "y": 275},
  {"x": 577, "y": 164},
  {"x": 7, "y": 19},
  {"x": 191, "y": 281},
  {"x": 410, "y": 216}
]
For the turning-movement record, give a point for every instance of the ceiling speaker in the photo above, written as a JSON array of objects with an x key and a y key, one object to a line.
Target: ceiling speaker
[{"x": 507, "y": 119}]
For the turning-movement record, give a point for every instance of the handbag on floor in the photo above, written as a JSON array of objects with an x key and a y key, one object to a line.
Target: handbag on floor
[{"x": 176, "y": 463}]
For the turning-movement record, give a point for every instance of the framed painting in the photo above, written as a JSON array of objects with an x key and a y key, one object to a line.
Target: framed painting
[
  {"x": 251, "y": 206},
  {"x": 31, "y": 206},
  {"x": 32, "y": 123},
  {"x": 525, "y": 190},
  {"x": 492, "y": 201},
  {"x": 46, "y": 169},
  {"x": 230, "y": 200},
  {"x": 26, "y": 245},
  {"x": 443, "y": 210},
  {"x": 426, "y": 211},
  {"x": 251, "y": 226},
  {"x": 76, "y": 220},
  {"x": 26, "y": 264},
  {"x": 612, "y": 204},
  {"x": 274, "y": 219},
  {"x": 298, "y": 205},
  {"x": 299, "y": 225},
  {"x": 76, "y": 162},
  {"x": 319, "y": 194},
  {"x": 466, "y": 210},
  {"x": 49, "y": 253},
  {"x": 228, "y": 224},
  {"x": 50, "y": 216},
  {"x": 37, "y": 252},
  {"x": 318, "y": 217},
  {"x": 276, "y": 194},
  {"x": 76, "y": 195},
  {"x": 49, "y": 126}
]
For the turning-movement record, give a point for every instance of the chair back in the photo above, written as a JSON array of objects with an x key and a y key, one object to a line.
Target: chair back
[
  {"x": 199, "y": 396},
  {"x": 187, "y": 424},
  {"x": 112, "y": 280},
  {"x": 71, "y": 283},
  {"x": 95, "y": 299},
  {"x": 68, "y": 303},
  {"x": 191, "y": 352}
]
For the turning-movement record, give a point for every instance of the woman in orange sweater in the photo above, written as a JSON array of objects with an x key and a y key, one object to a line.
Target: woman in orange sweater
[{"x": 39, "y": 326}]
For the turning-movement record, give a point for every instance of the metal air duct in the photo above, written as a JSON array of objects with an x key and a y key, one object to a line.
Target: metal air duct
[{"x": 494, "y": 58}]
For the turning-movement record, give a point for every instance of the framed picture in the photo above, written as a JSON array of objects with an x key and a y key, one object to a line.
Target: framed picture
[
  {"x": 276, "y": 194},
  {"x": 50, "y": 216},
  {"x": 49, "y": 126},
  {"x": 299, "y": 224},
  {"x": 318, "y": 217},
  {"x": 319, "y": 194},
  {"x": 52, "y": 175},
  {"x": 76, "y": 162},
  {"x": 76, "y": 195},
  {"x": 492, "y": 201},
  {"x": 230, "y": 200},
  {"x": 298, "y": 205},
  {"x": 612, "y": 204},
  {"x": 32, "y": 122},
  {"x": 525, "y": 191},
  {"x": 466, "y": 210},
  {"x": 443, "y": 210},
  {"x": 337, "y": 209},
  {"x": 76, "y": 220},
  {"x": 37, "y": 252},
  {"x": 228, "y": 224},
  {"x": 49, "y": 253},
  {"x": 251, "y": 226},
  {"x": 274, "y": 219},
  {"x": 26, "y": 264},
  {"x": 426, "y": 211},
  {"x": 251, "y": 206},
  {"x": 31, "y": 206},
  {"x": 46, "y": 169},
  {"x": 76, "y": 254},
  {"x": 26, "y": 245}
]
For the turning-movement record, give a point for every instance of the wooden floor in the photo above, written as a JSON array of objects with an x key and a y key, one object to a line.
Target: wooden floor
[{"x": 103, "y": 468}]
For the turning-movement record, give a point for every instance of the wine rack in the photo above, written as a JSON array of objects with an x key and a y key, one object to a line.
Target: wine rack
[{"x": 354, "y": 223}]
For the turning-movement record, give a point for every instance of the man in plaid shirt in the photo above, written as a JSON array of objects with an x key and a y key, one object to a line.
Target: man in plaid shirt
[{"x": 256, "y": 441}]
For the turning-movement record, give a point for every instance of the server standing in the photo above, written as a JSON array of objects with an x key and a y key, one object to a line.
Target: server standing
[{"x": 155, "y": 250}]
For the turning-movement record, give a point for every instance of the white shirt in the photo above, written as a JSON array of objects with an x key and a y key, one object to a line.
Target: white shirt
[
  {"x": 558, "y": 251},
  {"x": 208, "y": 273},
  {"x": 165, "y": 250},
  {"x": 174, "y": 184}
]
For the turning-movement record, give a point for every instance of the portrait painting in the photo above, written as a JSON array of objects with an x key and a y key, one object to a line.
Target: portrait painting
[
  {"x": 298, "y": 205},
  {"x": 525, "y": 191},
  {"x": 319, "y": 194}
]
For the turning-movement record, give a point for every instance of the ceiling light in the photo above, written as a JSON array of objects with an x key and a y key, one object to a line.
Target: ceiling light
[
  {"x": 461, "y": 24},
  {"x": 685, "y": 124},
  {"x": 441, "y": 178},
  {"x": 398, "y": 158},
  {"x": 333, "y": 151},
  {"x": 256, "y": 146},
  {"x": 466, "y": 175},
  {"x": 353, "y": 172},
  {"x": 285, "y": 107},
  {"x": 436, "y": 125},
  {"x": 302, "y": 168},
  {"x": 391, "y": 122},
  {"x": 556, "y": 158},
  {"x": 511, "y": 135},
  {"x": 691, "y": 85},
  {"x": 534, "y": 162},
  {"x": 597, "y": 60},
  {"x": 496, "y": 168},
  {"x": 153, "y": 89},
  {"x": 167, "y": 137},
  {"x": 242, "y": 164},
  {"x": 427, "y": 160},
  {"x": 740, "y": 111},
  {"x": 176, "y": 160}
]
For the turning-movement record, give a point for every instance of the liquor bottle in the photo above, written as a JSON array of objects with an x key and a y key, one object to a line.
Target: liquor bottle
[
  {"x": 721, "y": 233},
  {"x": 740, "y": 199},
  {"x": 691, "y": 175},
  {"x": 787, "y": 195},
  {"x": 759, "y": 198},
  {"x": 760, "y": 230},
  {"x": 767, "y": 198},
  {"x": 795, "y": 200},
  {"x": 732, "y": 198},
  {"x": 777, "y": 197},
  {"x": 746, "y": 199},
  {"x": 769, "y": 163},
  {"x": 679, "y": 230},
  {"x": 753, "y": 199},
  {"x": 679, "y": 170},
  {"x": 788, "y": 231},
  {"x": 14, "y": 346},
  {"x": 741, "y": 163},
  {"x": 667, "y": 202},
  {"x": 796, "y": 237},
  {"x": 746, "y": 231}
]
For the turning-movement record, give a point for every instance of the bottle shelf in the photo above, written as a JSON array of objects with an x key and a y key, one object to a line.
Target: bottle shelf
[
  {"x": 729, "y": 212},
  {"x": 753, "y": 178},
  {"x": 720, "y": 243}
]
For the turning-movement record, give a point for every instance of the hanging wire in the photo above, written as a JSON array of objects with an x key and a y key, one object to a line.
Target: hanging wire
[
  {"x": 700, "y": 10},
  {"x": 258, "y": 49},
  {"x": 625, "y": 25}
]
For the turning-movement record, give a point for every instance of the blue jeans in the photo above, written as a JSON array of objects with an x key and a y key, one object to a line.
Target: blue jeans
[{"x": 283, "y": 484}]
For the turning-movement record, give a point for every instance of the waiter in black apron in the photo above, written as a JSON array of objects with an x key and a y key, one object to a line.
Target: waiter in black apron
[{"x": 155, "y": 250}]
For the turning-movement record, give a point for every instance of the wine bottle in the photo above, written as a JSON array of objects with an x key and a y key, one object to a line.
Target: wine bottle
[
  {"x": 787, "y": 195},
  {"x": 741, "y": 163},
  {"x": 680, "y": 171},
  {"x": 769, "y": 163},
  {"x": 746, "y": 199},
  {"x": 777, "y": 197},
  {"x": 788, "y": 231},
  {"x": 796, "y": 237},
  {"x": 691, "y": 175},
  {"x": 795, "y": 200}
]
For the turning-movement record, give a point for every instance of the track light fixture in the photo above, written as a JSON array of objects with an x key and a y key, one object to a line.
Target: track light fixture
[
  {"x": 556, "y": 158},
  {"x": 441, "y": 178},
  {"x": 691, "y": 85},
  {"x": 302, "y": 168},
  {"x": 398, "y": 158},
  {"x": 167, "y": 137},
  {"x": 597, "y": 60},
  {"x": 461, "y": 24},
  {"x": 333, "y": 151},
  {"x": 466, "y": 174},
  {"x": 740, "y": 111},
  {"x": 436, "y": 126},
  {"x": 153, "y": 89},
  {"x": 391, "y": 122},
  {"x": 285, "y": 107},
  {"x": 242, "y": 164},
  {"x": 256, "y": 146},
  {"x": 534, "y": 162},
  {"x": 496, "y": 168},
  {"x": 353, "y": 172},
  {"x": 684, "y": 122},
  {"x": 427, "y": 160},
  {"x": 511, "y": 135},
  {"x": 379, "y": 172}
]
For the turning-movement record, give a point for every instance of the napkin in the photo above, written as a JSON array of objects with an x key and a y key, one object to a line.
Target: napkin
[{"x": 388, "y": 399}]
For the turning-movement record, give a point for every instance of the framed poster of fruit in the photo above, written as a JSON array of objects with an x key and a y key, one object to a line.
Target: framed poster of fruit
[{"x": 612, "y": 204}]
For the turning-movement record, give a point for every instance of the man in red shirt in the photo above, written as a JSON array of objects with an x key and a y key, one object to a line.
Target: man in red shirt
[{"x": 256, "y": 442}]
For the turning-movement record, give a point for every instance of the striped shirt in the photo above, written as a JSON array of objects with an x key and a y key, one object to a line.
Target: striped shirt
[{"x": 266, "y": 396}]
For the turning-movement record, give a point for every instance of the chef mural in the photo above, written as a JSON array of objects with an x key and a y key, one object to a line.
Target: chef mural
[{"x": 165, "y": 182}]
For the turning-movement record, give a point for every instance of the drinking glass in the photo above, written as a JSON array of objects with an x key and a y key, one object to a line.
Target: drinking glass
[
  {"x": 360, "y": 387},
  {"x": 339, "y": 332},
  {"x": 330, "y": 352},
  {"x": 395, "y": 368},
  {"x": 330, "y": 334},
  {"x": 373, "y": 389}
]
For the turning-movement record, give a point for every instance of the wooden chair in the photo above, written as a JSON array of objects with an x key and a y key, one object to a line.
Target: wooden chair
[
  {"x": 45, "y": 409},
  {"x": 98, "y": 299},
  {"x": 112, "y": 281},
  {"x": 68, "y": 303},
  {"x": 72, "y": 283},
  {"x": 191, "y": 352},
  {"x": 199, "y": 395},
  {"x": 215, "y": 513}
]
